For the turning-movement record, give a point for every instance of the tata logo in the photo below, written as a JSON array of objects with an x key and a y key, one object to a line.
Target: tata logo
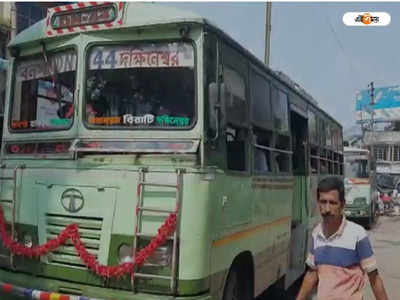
[{"x": 72, "y": 200}]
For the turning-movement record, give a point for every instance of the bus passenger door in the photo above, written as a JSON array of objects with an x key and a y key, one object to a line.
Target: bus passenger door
[{"x": 300, "y": 211}]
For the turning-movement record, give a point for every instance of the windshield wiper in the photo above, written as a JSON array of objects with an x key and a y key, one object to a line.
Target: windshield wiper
[{"x": 53, "y": 74}]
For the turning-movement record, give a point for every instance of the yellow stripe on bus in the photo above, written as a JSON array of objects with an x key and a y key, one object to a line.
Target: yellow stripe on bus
[{"x": 242, "y": 234}]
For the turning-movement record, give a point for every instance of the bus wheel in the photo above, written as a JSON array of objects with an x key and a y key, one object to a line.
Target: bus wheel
[
  {"x": 368, "y": 224},
  {"x": 238, "y": 285}
]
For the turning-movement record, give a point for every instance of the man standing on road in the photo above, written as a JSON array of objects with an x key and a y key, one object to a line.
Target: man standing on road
[{"x": 340, "y": 254}]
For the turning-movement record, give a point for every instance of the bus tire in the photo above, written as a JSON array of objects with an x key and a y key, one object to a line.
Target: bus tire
[
  {"x": 368, "y": 224},
  {"x": 238, "y": 285},
  {"x": 371, "y": 218}
]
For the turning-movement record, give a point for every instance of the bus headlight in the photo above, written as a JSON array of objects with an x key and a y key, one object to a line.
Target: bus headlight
[
  {"x": 161, "y": 257},
  {"x": 125, "y": 254}
]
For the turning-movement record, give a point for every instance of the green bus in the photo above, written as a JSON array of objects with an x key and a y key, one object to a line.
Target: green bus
[
  {"x": 3, "y": 76},
  {"x": 147, "y": 155},
  {"x": 360, "y": 185}
]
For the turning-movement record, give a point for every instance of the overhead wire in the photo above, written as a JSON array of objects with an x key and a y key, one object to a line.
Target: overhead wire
[
  {"x": 338, "y": 41},
  {"x": 352, "y": 67}
]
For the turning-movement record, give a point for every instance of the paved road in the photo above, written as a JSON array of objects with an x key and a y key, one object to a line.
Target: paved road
[{"x": 385, "y": 239}]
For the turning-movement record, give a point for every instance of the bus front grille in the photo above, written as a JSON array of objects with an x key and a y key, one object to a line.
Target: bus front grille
[{"x": 89, "y": 231}]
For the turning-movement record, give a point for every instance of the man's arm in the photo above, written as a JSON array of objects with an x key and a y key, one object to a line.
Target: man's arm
[
  {"x": 369, "y": 265},
  {"x": 377, "y": 285},
  {"x": 309, "y": 282}
]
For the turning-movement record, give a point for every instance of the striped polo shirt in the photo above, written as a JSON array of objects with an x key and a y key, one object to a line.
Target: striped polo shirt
[{"x": 341, "y": 261}]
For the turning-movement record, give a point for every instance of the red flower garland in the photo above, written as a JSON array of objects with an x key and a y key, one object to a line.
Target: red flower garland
[{"x": 72, "y": 232}]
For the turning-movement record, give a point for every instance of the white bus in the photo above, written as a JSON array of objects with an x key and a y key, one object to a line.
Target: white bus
[{"x": 360, "y": 185}]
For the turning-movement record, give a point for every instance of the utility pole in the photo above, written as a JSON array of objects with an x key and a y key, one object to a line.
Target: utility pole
[
  {"x": 268, "y": 8},
  {"x": 362, "y": 127},
  {"x": 13, "y": 23},
  {"x": 372, "y": 94},
  {"x": 13, "y": 32},
  {"x": 372, "y": 103}
]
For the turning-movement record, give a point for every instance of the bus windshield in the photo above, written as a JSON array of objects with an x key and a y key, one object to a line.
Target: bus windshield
[
  {"x": 146, "y": 86},
  {"x": 44, "y": 93},
  {"x": 356, "y": 168}
]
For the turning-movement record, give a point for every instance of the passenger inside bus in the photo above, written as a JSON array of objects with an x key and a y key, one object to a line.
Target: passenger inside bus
[
  {"x": 66, "y": 111},
  {"x": 42, "y": 102},
  {"x": 236, "y": 148},
  {"x": 260, "y": 161},
  {"x": 97, "y": 104},
  {"x": 299, "y": 128},
  {"x": 262, "y": 156},
  {"x": 139, "y": 92}
]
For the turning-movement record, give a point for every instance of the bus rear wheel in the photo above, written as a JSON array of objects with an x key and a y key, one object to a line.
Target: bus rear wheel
[{"x": 238, "y": 285}]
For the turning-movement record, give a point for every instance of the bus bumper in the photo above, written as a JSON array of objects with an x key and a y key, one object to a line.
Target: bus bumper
[
  {"x": 360, "y": 212},
  {"x": 22, "y": 286}
]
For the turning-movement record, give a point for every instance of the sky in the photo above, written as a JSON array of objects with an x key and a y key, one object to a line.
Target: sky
[{"x": 310, "y": 43}]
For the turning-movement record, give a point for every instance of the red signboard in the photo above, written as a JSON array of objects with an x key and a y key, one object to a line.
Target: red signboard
[{"x": 83, "y": 16}]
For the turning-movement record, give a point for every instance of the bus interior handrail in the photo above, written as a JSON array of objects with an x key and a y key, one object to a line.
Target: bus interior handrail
[{"x": 273, "y": 149}]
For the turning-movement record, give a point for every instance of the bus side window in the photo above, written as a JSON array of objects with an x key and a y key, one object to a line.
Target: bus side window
[
  {"x": 314, "y": 165},
  {"x": 313, "y": 138},
  {"x": 261, "y": 118},
  {"x": 235, "y": 102},
  {"x": 236, "y": 148},
  {"x": 261, "y": 161},
  {"x": 373, "y": 164},
  {"x": 280, "y": 109},
  {"x": 262, "y": 140},
  {"x": 323, "y": 164},
  {"x": 283, "y": 159},
  {"x": 237, "y": 120}
]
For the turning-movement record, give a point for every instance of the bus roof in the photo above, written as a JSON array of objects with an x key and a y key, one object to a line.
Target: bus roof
[
  {"x": 137, "y": 14},
  {"x": 142, "y": 14}
]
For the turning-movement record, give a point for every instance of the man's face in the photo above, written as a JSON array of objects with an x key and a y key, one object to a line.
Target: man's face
[{"x": 330, "y": 206}]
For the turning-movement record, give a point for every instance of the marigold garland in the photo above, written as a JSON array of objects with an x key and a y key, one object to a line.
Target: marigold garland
[{"x": 72, "y": 232}]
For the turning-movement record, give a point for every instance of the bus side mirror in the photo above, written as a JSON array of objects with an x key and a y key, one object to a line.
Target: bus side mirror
[
  {"x": 223, "y": 104},
  {"x": 216, "y": 108},
  {"x": 213, "y": 105}
]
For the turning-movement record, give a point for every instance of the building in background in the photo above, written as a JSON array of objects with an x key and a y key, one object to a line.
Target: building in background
[
  {"x": 5, "y": 26},
  {"x": 5, "y": 34},
  {"x": 379, "y": 117},
  {"x": 15, "y": 17}
]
